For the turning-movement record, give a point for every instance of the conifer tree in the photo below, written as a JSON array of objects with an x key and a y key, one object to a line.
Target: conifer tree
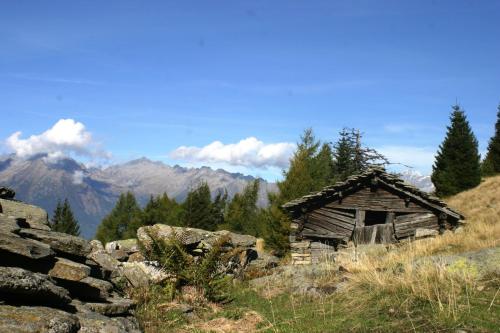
[
  {"x": 123, "y": 220},
  {"x": 300, "y": 179},
  {"x": 63, "y": 219},
  {"x": 457, "y": 166},
  {"x": 351, "y": 157},
  {"x": 242, "y": 212},
  {"x": 200, "y": 212},
  {"x": 162, "y": 209},
  {"x": 491, "y": 164}
]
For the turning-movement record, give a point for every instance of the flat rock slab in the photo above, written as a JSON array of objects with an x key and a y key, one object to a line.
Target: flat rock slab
[
  {"x": 69, "y": 270},
  {"x": 23, "y": 319},
  {"x": 112, "y": 306},
  {"x": 59, "y": 242},
  {"x": 88, "y": 289},
  {"x": 92, "y": 322},
  {"x": 28, "y": 248},
  {"x": 192, "y": 236},
  {"x": 35, "y": 217},
  {"x": 34, "y": 287}
]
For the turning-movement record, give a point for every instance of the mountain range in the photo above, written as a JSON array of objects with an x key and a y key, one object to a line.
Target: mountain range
[{"x": 92, "y": 192}]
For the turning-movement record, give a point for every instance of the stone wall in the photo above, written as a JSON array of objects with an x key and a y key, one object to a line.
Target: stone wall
[{"x": 54, "y": 282}]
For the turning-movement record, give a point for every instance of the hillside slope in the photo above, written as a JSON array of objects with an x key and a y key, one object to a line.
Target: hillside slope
[{"x": 450, "y": 283}]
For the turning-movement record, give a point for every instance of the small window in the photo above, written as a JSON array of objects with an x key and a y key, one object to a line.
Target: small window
[{"x": 373, "y": 217}]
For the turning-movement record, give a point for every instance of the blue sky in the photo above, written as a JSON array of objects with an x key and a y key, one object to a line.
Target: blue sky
[{"x": 145, "y": 78}]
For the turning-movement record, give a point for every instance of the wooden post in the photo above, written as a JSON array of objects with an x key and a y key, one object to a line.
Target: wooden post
[{"x": 374, "y": 234}]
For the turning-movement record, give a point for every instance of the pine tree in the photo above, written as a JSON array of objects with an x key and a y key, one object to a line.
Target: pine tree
[
  {"x": 200, "y": 212},
  {"x": 63, "y": 219},
  {"x": 306, "y": 174},
  {"x": 351, "y": 157},
  {"x": 491, "y": 164},
  {"x": 457, "y": 166},
  {"x": 323, "y": 171},
  {"x": 162, "y": 209},
  {"x": 122, "y": 222},
  {"x": 242, "y": 212}
]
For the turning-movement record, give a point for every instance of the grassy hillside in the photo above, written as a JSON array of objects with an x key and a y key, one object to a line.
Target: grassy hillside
[{"x": 446, "y": 284}]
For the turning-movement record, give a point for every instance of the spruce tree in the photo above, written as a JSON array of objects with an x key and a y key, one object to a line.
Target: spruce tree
[
  {"x": 491, "y": 164},
  {"x": 200, "y": 212},
  {"x": 63, "y": 219},
  {"x": 351, "y": 157},
  {"x": 123, "y": 220},
  {"x": 162, "y": 209},
  {"x": 457, "y": 166},
  {"x": 306, "y": 174},
  {"x": 242, "y": 212}
]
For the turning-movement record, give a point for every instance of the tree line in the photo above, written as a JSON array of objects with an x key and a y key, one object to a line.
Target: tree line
[{"x": 314, "y": 165}]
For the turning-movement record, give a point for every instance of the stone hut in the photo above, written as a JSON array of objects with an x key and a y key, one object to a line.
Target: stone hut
[{"x": 372, "y": 207}]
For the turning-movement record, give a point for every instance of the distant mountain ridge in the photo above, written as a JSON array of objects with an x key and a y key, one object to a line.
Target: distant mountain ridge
[{"x": 92, "y": 192}]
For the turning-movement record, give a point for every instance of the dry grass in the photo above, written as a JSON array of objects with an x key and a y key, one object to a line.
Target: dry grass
[
  {"x": 248, "y": 323},
  {"x": 447, "y": 289}
]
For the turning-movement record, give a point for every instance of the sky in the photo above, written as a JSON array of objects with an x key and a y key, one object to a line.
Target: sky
[{"x": 233, "y": 84}]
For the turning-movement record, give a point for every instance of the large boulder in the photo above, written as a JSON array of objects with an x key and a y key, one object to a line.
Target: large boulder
[
  {"x": 62, "y": 243},
  {"x": 20, "y": 284},
  {"x": 35, "y": 217},
  {"x": 23, "y": 319}
]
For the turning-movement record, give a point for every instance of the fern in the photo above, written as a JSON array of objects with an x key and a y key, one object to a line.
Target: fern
[{"x": 207, "y": 273}]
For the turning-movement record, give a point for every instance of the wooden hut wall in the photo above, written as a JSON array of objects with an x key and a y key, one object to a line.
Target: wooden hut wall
[
  {"x": 379, "y": 199},
  {"x": 406, "y": 225}
]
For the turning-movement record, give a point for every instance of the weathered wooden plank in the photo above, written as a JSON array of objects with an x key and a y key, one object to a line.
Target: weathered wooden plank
[
  {"x": 322, "y": 236},
  {"x": 379, "y": 200},
  {"x": 332, "y": 221},
  {"x": 331, "y": 214},
  {"x": 344, "y": 212},
  {"x": 396, "y": 210},
  {"x": 329, "y": 227}
]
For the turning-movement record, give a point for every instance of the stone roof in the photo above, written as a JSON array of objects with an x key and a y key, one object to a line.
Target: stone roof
[{"x": 359, "y": 180}]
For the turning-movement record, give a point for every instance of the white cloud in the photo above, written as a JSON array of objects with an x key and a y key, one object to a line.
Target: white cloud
[
  {"x": 249, "y": 152},
  {"x": 420, "y": 158},
  {"x": 67, "y": 136}
]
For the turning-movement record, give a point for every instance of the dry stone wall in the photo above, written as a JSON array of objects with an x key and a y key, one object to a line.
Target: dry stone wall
[{"x": 54, "y": 282}]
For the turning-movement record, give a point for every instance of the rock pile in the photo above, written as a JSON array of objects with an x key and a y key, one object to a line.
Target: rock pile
[
  {"x": 54, "y": 282},
  {"x": 242, "y": 250}
]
